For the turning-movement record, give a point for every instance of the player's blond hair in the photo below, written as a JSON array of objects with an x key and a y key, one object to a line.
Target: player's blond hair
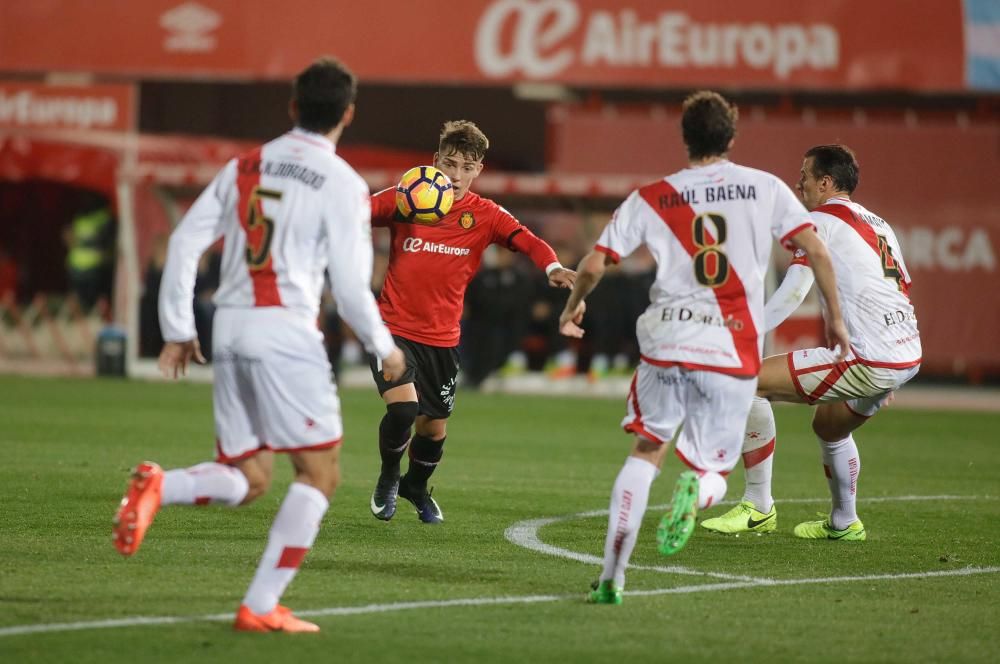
[{"x": 463, "y": 137}]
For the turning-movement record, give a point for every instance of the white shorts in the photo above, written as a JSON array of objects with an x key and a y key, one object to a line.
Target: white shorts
[
  {"x": 712, "y": 407},
  {"x": 273, "y": 387},
  {"x": 820, "y": 378}
]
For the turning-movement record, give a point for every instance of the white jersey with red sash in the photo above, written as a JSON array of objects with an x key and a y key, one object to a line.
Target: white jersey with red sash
[
  {"x": 710, "y": 230},
  {"x": 287, "y": 211},
  {"x": 872, "y": 282}
]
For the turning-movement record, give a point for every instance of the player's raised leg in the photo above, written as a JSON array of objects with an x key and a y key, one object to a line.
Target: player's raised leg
[
  {"x": 709, "y": 444},
  {"x": 317, "y": 474},
  {"x": 208, "y": 483},
  {"x": 138, "y": 507},
  {"x": 695, "y": 490},
  {"x": 150, "y": 488}
]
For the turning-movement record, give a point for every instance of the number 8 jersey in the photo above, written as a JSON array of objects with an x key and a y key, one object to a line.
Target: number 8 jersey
[{"x": 710, "y": 230}]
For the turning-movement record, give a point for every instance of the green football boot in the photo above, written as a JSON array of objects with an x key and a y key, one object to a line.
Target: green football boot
[
  {"x": 744, "y": 518},
  {"x": 823, "y": 530},
  {"x": 604, "y": 592},
  {"x": 677, "y": 524}
]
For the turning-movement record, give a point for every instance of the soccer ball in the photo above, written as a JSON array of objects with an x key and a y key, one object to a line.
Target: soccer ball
[{"x": 424, "y": 194}]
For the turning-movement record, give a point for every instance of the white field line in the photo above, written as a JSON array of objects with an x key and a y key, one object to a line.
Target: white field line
[
  {"x": 140, "y": 621},
  {"x": 525, "y": 534},
  {"x": 523, "y": 529}
]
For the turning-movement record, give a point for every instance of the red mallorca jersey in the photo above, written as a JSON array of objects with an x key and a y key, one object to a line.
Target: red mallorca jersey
[{"x": 430, "y": 266}]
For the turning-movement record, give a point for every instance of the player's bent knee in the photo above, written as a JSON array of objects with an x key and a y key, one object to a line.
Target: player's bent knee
[
  {"x": 257, "y": 485},
  {"x": 649, "y": 450},
  {"x": 646, "y": 446},
  {"x": 325, "y": 481},
  {"x": 255, "y": 471},
  {"x": 834, "y": 422},
  {"x": 319, "y": 469},
  {"x": 435, "y": 429},
  {"x": 402, "y": 414}
]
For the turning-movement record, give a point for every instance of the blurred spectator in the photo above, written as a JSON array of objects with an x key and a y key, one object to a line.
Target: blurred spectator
[
  {"x": 608, "y": 322},
  {"x": 150, "y": 340},
  {"x": 205, "y": 285},
  {"x": 499, "y": 332},
  {"x": 495, "y": 316},
  {"x": 90, "y": 238},
  {"x": 542, "y": 346}
]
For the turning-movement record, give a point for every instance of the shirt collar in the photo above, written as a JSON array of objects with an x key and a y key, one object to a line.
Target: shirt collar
[
  {"x": 715, "y": 164},
  {"x": 313, "y": 138}
]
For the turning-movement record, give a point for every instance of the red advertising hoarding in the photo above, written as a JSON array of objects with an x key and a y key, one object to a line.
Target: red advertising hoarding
[
  {"x": 933, "y": 180},
  {"x": 34, "y": 106},
  {"x": 839, "y": 44}
]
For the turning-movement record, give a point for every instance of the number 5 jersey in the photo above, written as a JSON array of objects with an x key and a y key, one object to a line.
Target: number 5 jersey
[{"x": 287, "y": 211}]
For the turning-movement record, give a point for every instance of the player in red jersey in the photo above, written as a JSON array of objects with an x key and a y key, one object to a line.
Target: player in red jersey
[{"x": 430, "y": 266}]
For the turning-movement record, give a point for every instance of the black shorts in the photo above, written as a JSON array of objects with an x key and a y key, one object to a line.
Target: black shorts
[{"x": 433, "y": 371}]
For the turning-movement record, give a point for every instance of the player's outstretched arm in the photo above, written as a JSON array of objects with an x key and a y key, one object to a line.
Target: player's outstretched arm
[
  {"x": 588, "y": 275},
  {"x": 542, "y": 255},
  {"x": 819, "y": 258}
]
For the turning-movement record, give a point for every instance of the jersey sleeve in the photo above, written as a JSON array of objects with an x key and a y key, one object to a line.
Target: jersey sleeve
[
  {"x": 383, "y": 207},
  {"x": 347, "y": 220},
  {"x": 505, "y": 226},
  {"x": 196, "y": 232},
  {"x": 511, "y": 233},
  {"x": 625, "y": 232},
  {"x": 788, "y": 296},
  {"x": 789, "y": 217}
]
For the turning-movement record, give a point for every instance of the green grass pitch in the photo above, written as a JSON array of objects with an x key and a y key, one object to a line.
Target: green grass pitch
[{"x": 925, "y": 587}]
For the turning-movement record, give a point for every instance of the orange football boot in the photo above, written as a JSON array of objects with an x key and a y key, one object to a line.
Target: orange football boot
[
  {"x": 139, "y": 505},
  {"x": 278, "y": 620}
]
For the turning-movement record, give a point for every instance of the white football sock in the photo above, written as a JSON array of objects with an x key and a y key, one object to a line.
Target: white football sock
[
  {"x": 842, "y": 464},
  {"x": 758, "y": 454},
  {"x": 205, "y": 483},
  {"x": 292, "y": 535},
  {"x": 711, "y": 489},
  {"x": 629, "y": 498}
]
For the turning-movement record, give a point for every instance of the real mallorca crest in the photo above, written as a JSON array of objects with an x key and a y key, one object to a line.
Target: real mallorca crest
[{"x": 424, "y": 194}]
